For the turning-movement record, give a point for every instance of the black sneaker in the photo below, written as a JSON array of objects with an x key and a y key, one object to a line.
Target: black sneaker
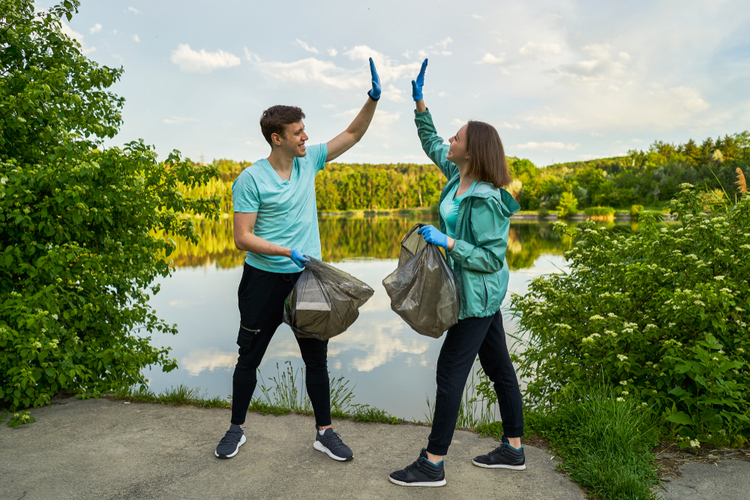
[
  {"x": 231, "y": 442},
  {"x": 502, "y": 457},
  {"x": 330, "y": 443},
  {"x": 420, "y": 473}
]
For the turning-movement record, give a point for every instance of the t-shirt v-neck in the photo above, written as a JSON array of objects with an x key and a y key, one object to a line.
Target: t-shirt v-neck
[{"x": 449, "y": 208}]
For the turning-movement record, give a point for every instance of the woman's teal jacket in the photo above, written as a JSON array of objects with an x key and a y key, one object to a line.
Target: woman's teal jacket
[{"x": 478, "y": 256}]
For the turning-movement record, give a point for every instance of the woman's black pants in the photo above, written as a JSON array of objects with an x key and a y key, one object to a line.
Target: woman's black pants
[
  {"x": 464, "y": 340},
  {"x": 261, "y": 299}
]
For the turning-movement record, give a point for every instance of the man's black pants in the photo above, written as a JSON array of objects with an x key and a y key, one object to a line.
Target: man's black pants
[
  {"x": 261, "y": 299},
  {"x": 464, "y": 340}
]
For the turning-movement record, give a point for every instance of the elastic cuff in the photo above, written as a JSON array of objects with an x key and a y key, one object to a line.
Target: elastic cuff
[{"x": 371, "y": 97}]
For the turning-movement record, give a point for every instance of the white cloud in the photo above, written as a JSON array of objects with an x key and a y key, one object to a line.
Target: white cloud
[
  {"x": 300, "y": 43},
  {"x": 133, "y": 10},
  {"x": 136, "y": 39},
  {"x": 442, "y": 94},
  {"x": 332, "y": 52},
  {"x": 545, "y": 146},
  {"x": 208, "y": 359},
  {"x": 394, "y": 94},
  {"x": 514, "y": 126},
  {"x": 458, "y": 122},
  {"x": 97, "y": 28},
  {"x": 444, "y": 43},
  {"x": 550, "y": 121},
  {"x": 67, "y": 30},
  {"x": 600, "y": 65},
  {"x": 381, "y": 121},
  {"x": 328, "y": 106},
  {"x": 250, "y": 56},
  {"x": 477, "y": 16},
  {"x": 388, "y": 70},
  {"x": 490, "y": 59},
  {"x": 177, "y": 120},
  {"x": 532, "y": 50},
  {"x": 202, "y": 62},
  {"x": 315, "y": 71}
]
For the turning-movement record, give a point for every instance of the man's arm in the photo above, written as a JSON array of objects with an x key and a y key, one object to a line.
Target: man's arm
[
  {"x": 244, "y": 239},
  {"x": 351, "y": 136}
]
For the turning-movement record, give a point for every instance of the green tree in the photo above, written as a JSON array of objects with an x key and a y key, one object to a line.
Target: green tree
[
  {"x": 77, "y": 221},
  {"x": 568, "y": 205}
]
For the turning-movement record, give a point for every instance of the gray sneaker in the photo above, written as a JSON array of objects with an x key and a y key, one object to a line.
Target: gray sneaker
[
  {"x": 231, "y": 442},
  {"x": 330, "y": 443}
]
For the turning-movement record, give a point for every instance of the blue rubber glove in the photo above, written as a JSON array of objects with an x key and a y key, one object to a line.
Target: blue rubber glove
[
  {"x": 432, "y": 235},
  {"x": 298, "y": 258},
  {"x": 416, "y": 85},
  {"x": 375, "y": 92}
]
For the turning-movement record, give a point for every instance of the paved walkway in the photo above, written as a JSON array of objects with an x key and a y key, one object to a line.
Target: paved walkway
[{"x": 101, "y": 449}]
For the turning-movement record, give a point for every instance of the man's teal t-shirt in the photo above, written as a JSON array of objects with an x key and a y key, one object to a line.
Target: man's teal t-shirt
[{"x": 287, "y": 214}]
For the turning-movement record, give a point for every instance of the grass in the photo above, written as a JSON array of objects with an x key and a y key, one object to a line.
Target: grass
[
  {"x": 605, "y": 443},
  {"x": 281, "y": 395}
]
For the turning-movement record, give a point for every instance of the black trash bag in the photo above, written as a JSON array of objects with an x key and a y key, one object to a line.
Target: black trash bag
[
  {"x": 324, "y": 302},
  {"x": 422, "y": 289}
]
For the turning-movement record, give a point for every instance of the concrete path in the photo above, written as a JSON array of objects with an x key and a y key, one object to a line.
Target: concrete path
[{"x": 101, "y": 449}]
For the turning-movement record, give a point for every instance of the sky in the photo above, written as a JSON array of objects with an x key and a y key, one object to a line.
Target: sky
[{"x": 562, "y": 80}]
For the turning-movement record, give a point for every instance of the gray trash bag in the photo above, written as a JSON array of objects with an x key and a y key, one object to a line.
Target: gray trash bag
[
  {"x": 324, "y": 302},
  {"x": 422, "y": 289}
]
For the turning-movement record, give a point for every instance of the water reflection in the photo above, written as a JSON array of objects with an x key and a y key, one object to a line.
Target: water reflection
[
  {"x": 345, "y": 238},
  {"x": 391, "y": 366}
]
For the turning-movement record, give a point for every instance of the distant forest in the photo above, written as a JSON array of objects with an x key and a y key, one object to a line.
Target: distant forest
[{"x": 647, "y": 178}]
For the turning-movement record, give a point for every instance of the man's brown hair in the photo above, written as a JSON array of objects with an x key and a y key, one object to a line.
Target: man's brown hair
[
  {"x": 276, "y": 118},
  {"x": 486, "y": 154}
]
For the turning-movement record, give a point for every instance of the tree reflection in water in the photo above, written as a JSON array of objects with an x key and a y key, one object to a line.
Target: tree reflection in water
[{"x": 344, "y": 238}]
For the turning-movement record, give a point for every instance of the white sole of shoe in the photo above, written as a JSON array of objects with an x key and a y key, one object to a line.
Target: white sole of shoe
[
  {"x": 427, "y": 483},
  {"x": 242, "y": 441},
  {"x": 320, "y": 447},
  {"x": 500, "y": 466}
]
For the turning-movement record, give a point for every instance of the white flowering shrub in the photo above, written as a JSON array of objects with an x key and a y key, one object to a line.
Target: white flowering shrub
[{"x": 661, "y": 314}]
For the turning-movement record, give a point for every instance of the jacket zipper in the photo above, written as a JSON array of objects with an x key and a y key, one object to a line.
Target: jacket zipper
[{"x": 254, "y": 332}]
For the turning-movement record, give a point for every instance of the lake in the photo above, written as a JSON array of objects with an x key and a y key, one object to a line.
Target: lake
[{"x": 390, "y": 366}]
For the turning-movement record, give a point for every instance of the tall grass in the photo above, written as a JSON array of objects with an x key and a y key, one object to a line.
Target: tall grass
[
  {"x": 605, "y": 442},
  {"x": 474, "y": 409},
  {"x": 281, "y": 395}
]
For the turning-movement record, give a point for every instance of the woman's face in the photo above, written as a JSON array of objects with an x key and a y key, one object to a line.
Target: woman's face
[{"x": 457, "y": 152}]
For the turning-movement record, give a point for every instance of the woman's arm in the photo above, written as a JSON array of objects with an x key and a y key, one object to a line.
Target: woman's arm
[
  {"x": 432, "y": 144},
  {"x": 490, "y": 228}
]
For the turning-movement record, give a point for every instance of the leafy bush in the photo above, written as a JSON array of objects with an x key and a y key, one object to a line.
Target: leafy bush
[
  {"x": 77, "y": 222},
  {"x": 636, "y": 211},
  {"x": 662, "y": 314},
  {"x": 568, "y": 205},
  {"x": 599, "y": 211}
]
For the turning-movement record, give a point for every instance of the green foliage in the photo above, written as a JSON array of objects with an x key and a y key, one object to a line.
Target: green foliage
[
  {"x": 568, "y": 205},
  {"x": 661, "y": 313},
  {"x": 636, "y": 211},
  {"x": 543, "y": 211},
  {"x": 18, "y": 418},
  {"x": 603, "y": 439},
  {"x": 77, "y": 222},
  {"x": 599, "y": 212}
]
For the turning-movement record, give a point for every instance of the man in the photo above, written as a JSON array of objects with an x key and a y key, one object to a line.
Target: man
[{"x": 275, "y": 221}]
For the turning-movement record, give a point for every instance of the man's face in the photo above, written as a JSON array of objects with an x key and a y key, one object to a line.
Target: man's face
[{"x": 293, "y": 139}]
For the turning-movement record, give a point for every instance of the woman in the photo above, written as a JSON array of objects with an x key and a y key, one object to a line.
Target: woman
[{"x": 474, "y": 223}]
